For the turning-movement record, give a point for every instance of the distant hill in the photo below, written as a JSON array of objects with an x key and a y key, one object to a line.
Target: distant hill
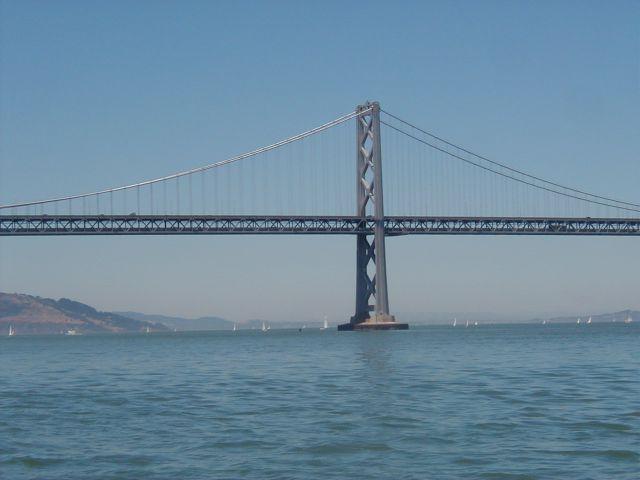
[
  {"x": 179, "y": 323},
  {"x": 212, "y": 323},
  {"x": 36, "y": 315}
]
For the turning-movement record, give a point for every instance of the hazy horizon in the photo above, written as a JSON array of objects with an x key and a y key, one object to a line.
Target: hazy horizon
[{"x": 410, "y": 317}]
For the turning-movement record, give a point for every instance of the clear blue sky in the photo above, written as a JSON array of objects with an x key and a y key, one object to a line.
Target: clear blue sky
[{"x": 97, "y": 94}]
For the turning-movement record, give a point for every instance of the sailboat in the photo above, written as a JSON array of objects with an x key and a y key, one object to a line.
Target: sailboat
[
  {"x": 628, "y": 319},
  {"x": 466, "y": 324},
  {"x": 264, "y": 327},
  {"x": 325, "y": 325},
  {"x": 235, "y": 327},
  {"x": 475, "y": 324},
  {"x": 455, "y": 320},
  {"x": 544, "y": 322},
  {"x": 147, "y": 330},
  {"x": 12, "y": 332},
  {"x": 578, "y": 322},
  {"x": 589, "y": 321}
]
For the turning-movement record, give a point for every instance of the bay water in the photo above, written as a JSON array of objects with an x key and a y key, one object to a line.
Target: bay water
[{"x": 488, "y": 402}]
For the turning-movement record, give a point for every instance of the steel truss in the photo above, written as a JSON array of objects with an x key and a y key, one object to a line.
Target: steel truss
[
  {"x": 38, "y": 225},
  {"x": 511, "y": 226}
]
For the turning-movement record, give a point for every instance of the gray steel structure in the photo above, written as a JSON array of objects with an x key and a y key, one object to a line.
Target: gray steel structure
[
  {"x": 46, "y": 225},
  {"x": 370, "y": 249},
  {"x": 369, "y": 224}
]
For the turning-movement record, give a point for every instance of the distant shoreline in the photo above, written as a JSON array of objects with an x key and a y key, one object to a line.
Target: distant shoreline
[{"x": 31, "y": 315}]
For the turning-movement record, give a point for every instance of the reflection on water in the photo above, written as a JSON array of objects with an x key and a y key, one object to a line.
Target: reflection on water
[{"x": 374, "y": 353}]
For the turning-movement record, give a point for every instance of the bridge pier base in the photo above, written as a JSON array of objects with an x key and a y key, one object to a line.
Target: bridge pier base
[{"x": 376, "y": 322}]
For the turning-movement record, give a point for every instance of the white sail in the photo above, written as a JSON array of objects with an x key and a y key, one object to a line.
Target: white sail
[
  {"x": 12, "y": 332},
  {"x": 264, "y": 327},
  {"x": 589, "y": 321},
  {"x": 455, "y": 320}
]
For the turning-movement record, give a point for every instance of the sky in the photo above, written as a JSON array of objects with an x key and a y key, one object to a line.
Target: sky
[{"x": 98, "y": 94}]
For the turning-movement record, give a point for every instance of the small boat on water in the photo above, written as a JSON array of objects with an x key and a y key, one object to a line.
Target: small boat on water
[
  {"x": 264, "y": 327},
  {"x": 71, "y": 332},
  {"x": 544, "y": 322},
  {"x": 147, "y": 331},
  {"x": 589, "y": 321},
  {"x": 235, "y": 327},
  {"x": 628, "y": 319},
  {"x": 12, "y": 332},
  {"x": 579, "y": 320},
  {"x": 325, "y": 325},
  {"x": 455, "y": 321},
  {"x": 466, "y": 324},
  {"x": 475, "y": 324}
]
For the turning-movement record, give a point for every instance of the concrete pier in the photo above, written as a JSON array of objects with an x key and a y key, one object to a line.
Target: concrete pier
[{"x": 377, "y": 322}]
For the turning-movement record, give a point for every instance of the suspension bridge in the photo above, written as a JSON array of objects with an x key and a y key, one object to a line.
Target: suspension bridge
[{"x": 305, "y": 184}]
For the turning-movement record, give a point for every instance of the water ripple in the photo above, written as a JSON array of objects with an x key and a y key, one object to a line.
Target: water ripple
[{"x": 501, "y": 402}]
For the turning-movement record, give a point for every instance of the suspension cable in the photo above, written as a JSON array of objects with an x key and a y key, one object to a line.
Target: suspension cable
[
  {"x": 506, "y": 175},
  {"x": 548, "y": 182},
  {"x": 237, "y": 158}
]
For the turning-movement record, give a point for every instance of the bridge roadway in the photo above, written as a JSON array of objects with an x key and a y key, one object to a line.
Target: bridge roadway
[{"x": 42, "y": 225}]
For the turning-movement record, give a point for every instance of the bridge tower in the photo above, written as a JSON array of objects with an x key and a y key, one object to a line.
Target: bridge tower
[{"x": 371, "y": 265}]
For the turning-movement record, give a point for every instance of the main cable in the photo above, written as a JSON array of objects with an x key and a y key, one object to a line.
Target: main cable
[
  {"x": 505, "y": 175},
  {"x": 575, "y": 190},
  {"x": 237, "y": 158}
]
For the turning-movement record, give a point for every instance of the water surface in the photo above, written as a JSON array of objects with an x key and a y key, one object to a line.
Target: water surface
[{"x": 488, "y": 402}]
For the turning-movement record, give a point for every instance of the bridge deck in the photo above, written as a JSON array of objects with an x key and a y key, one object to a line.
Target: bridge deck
[{"x": 30, "y": 225}]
